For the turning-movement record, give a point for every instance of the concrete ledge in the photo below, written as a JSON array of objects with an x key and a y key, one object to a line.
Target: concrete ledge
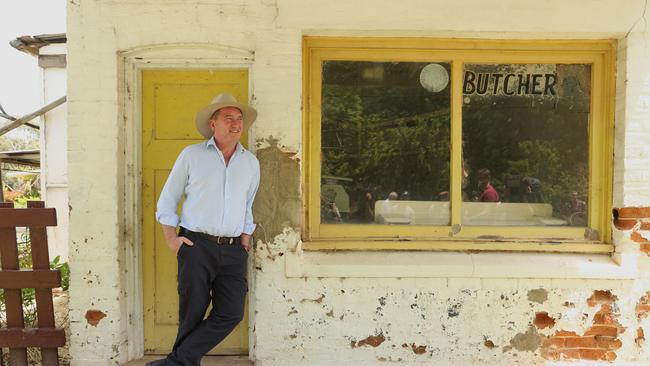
[{"x": 459, "y": 265}]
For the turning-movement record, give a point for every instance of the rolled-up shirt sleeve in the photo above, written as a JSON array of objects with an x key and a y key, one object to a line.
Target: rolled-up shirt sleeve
[
  {"x": 172, "y": 192},
  {"x": 249, "y": 225}
]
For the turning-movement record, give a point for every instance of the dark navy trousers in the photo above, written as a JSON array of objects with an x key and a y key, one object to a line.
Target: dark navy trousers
[{"x": 207, "y": 272}]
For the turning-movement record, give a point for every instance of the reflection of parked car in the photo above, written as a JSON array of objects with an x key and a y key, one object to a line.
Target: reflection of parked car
[{"x": 472, "y": 213}]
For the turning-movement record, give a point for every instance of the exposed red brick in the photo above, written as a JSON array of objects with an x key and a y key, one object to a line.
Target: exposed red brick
[
  {"x": 645, "y": 248},
  {"x": 633, "y": 212},
  {"x": 610, "y": 356},
  {"x": 554, "y": 342},
  {"x": 489, "y": 344},
  {"x": 592, "y": 354},
  {"x": 637, "y": 237},
  {"x": 645, "y": 224},
  {"x": 625, "y": 224},
  {"x": 570, "y": 354},
  {"x": 551, "y": 354},
  {"x": 597, "y": 343},
  {"x": 643, "y": 306},
  {"x": 93, "y": 317},
  {"x": 580, "y": 342},
  {"x": 418, "y": 350},
  {"x": 640, "y": 337},
  {"x": 604, "y": 322},
  {"x": 604, "y": 316},
  {"x": 601, "y": 297},
  {"x": 602, "y": 330},
  {"x": 564, "y": 333},
  {"x": 542, "y": 320},
  {"x": 608, "y": 343},
  {"x": 642, "y": 309},
  {"x": 374, "y": 341}
]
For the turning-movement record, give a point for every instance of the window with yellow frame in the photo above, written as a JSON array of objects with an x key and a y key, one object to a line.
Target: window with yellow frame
[{"x": 424, "y": 144}]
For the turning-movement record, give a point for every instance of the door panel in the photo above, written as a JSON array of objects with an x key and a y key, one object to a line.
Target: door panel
[{"x": 170, "y": 100}]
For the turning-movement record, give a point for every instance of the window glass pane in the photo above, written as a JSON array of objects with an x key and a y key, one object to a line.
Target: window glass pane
[
  {"x": 385, "y": 143},
  {"x": 525, "y": 144}
]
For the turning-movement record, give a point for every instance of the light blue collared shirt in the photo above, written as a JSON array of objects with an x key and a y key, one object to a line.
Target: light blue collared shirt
[{"x": 218, "y": 198}]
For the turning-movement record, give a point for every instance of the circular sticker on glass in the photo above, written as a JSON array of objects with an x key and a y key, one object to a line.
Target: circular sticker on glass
[{"x": 434, "y": 78}]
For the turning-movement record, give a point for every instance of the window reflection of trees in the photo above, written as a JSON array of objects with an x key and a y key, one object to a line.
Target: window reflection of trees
[
  {"x": 519, "y": 137},
  {"x": 390, "y": 136},
  {"x": 382, "y": 132}
]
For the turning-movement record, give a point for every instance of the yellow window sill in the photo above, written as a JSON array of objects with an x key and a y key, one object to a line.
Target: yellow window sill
[{"x": 486, "y": 244}]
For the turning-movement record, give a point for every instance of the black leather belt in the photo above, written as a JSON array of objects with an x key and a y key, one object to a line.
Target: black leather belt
[{"x": 226, "y": 240}]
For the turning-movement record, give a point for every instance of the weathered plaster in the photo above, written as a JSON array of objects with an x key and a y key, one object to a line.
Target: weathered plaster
[{"x": 278, "y": 203}]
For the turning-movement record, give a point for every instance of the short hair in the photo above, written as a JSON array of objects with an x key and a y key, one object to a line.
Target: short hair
[
  {"x": 215, "y": 115},
  {"x": 484, "y": 173}
]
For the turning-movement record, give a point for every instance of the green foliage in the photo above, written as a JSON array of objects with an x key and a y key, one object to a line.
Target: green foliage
[
  {"x": 21, "y": 202},
  {"x": 386, "y": 133},
  {"x": 19, "y": 185},
  {"x": 516, "y": 138},
  {"x": 64, "y": 268},
  {"x": 384, "y": 139}
]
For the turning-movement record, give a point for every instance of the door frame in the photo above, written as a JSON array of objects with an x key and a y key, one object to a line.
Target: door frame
[{"x": 178, "y": 56}]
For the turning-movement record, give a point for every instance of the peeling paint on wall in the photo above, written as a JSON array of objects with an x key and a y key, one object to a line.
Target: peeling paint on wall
[
  {"x": 538, "y": 295},
  {"x": 599, "y": 341},
  {"x": 93, "y": 317},
  {"x": 277, "y": 204},
  {"x": 529, "y": 341},
  {"x": 643, "y": 241},
  {"x": 373, "y": 341},
  {"x": 543, "y": 320}
]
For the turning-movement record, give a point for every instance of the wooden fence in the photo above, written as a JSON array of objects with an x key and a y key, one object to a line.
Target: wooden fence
[{"x": 12, "y": 279}]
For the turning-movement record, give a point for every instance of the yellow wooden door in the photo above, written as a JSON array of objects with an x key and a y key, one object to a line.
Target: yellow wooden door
[{"x": 170, "y": 100}]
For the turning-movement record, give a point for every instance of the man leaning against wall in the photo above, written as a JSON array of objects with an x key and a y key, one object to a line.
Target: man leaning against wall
[{"x": 218, "y": 179}]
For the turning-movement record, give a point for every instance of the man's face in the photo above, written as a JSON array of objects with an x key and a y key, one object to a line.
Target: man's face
[
  {"x": 483, "y": 182},
  {"x": 227, "y": 125}
]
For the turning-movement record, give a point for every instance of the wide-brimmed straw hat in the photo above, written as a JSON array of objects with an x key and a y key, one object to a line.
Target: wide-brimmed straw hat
[{"x": 221, "y": 101}]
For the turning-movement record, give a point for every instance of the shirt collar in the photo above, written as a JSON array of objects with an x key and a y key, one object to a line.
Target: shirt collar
[{"x": 210, "y": 141}]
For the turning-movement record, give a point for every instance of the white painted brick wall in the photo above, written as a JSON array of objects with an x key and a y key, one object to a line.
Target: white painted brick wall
[
  {"x": 637, "y": 121},
  {"x": 273, "y": 30}
]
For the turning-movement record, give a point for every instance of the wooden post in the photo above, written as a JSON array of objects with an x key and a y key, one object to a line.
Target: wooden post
[
  {"x": 13, "y": 297},
  {"x": 44, "y": 306},
  {"x": 2, "y": 194}
]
